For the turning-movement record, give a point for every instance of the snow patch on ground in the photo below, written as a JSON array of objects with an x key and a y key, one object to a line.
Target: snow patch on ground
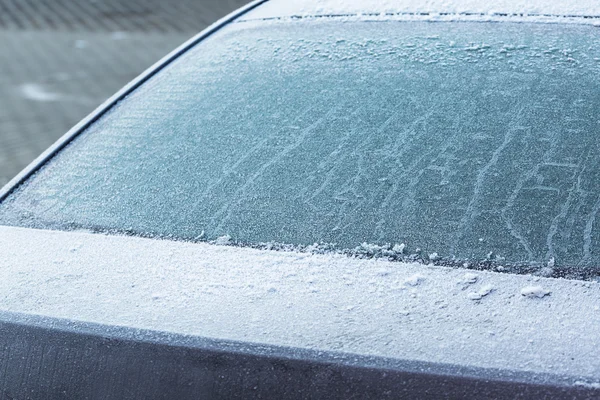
[{"x": 33, "y": 91}]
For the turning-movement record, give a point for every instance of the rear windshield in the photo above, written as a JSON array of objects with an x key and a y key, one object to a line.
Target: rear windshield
[{"x": 463, "y": 142}]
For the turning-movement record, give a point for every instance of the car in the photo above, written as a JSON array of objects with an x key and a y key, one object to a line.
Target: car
[{"x": 322, "y": 199}]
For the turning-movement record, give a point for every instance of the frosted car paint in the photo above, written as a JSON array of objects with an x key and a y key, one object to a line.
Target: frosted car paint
[{"x": 92, "y": 313}]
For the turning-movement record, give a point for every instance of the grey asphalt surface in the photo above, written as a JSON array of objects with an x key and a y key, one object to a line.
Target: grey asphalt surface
[{"x": 60, "y": 59}]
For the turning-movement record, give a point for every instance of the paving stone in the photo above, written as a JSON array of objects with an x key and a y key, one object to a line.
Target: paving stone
[{"x": 60, "y": 59}]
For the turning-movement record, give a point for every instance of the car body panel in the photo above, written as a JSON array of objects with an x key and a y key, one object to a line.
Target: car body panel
[
  {"x": 539, "y": 330},
  {"x": 51, "y": 359}
]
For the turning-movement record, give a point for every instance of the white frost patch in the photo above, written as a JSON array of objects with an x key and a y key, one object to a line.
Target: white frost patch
[
  {"x": 470, "y": 278},
  {"x": 434, "y": 256},
  {"x": 591, "y": 385},
  {"x": 399, "y": 248},
  {"x": 414, "y": 280},
  {"x": 33, "y": 91},
  {"x": 371, "y": 248},
  {"x": 223, "y": 240},
  {"x": 534, "y": 291},
  {"x": 481, "y": 293}
]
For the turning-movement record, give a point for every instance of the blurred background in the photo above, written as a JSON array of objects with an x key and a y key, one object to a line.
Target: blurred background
[{"x": 60, "y": 59}]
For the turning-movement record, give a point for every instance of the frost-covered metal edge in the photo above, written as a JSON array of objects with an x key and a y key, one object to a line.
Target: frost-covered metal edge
[
  {"x": 585, "y": 11},
  {"x": 62, "y": 142},
  {"x": 439, "y": 17}
]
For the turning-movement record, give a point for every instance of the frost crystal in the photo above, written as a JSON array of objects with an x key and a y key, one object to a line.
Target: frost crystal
[
  {"x": 481, "y": 293},
  {"x": 399, "y": 248},
  {"x": 534, "y": 291},
  {"x": 591, "y": 385},
  {"x": 470, "y": 277},
  {"x": 223, "y": 240},
  {"x": 414, "y": 280}
]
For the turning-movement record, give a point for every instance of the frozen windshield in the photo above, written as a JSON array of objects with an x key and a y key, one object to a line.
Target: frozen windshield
[{"x": 472, "y": 142}]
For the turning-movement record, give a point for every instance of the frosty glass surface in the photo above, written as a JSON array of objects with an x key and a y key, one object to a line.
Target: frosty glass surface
[{"x": 463, "y": 139}]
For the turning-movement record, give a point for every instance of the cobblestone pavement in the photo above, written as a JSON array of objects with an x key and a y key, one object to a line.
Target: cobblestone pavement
[{"x": 60, "y": 59}]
